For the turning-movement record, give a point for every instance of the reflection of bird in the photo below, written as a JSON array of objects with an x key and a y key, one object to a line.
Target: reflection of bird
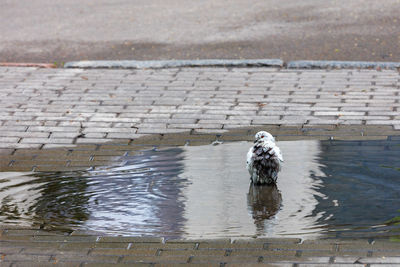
[
  {"x": 264, "y": 159},
  {"x": 264, "y": 202}
]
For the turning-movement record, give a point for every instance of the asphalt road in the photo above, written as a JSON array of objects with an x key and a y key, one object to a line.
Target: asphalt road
[{"x": 64, "y": 30}]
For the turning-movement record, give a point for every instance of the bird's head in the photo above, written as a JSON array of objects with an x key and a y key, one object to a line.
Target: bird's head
[{"x": 264, "y": 135}]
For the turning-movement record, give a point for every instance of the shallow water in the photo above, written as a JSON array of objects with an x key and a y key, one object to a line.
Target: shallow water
[{"x": 326, "y": 188}]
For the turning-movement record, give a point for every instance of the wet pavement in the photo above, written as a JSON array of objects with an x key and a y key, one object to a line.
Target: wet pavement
[
  {"x": 74, "y": 143},
  {"x": 194, "y": 192}
]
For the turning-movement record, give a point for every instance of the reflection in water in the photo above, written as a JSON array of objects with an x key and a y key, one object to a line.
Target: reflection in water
[
  {"x": 44, "y": 199},
  {"x": 264, "y": 202},
  {"x": 205, "y": 192},
  {"x": 61, "y": 197},
  {"x": 217, "y": 199},
  {"x": 142, "y": 197},
  {"x": 362, "y": 185}
]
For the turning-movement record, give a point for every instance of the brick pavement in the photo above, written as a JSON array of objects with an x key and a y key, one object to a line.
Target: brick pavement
[
  {"x": 65, "y": 119},
  {"x": 35, "y": 247},
  {"x": 55, "y": 106}
]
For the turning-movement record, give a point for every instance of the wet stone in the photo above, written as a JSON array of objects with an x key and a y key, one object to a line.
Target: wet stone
[
  {"x": 26, "y": 258},
  {"x": 225, "y": 259},
  {"x": 89, "y": 245},
  {"x": 130, "y": 239},
  {"x": 191, "y": 252},
  {"x": 326, "y": 247},
  {"x": 156, "y": 246},
  {"x": 268, "y": 240},
  {"x": 99, "y": 264},
  {"x": 59, "y": 258},
  {"x": 263, "y": 253},
  {"x": 116, "y": 251},
  {"x": 157, "y": 259}
]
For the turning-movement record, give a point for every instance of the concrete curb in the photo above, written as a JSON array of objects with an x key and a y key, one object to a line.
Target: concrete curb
[
  {"x": 324, "y": 64},
  {"x": 157, "y": 64},
  {"x": 154, "y": 64},
  {"x": 35, "y": 65},
  {"x": 297, "y": 64}
]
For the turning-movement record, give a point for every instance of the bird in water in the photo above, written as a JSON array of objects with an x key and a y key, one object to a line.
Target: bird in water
[{"x": 264, "y": 159}]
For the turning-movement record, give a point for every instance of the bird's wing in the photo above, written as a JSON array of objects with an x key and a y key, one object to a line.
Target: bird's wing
[
  {"x": 249, "y": 162},
  {"x": 266, "y": 159},
  {"x": 266, "y": 150},
  {"x": 277, "y": 152}
]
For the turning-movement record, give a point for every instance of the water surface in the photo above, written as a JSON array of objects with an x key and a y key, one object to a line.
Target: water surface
[{"x": 326, "y": 188}]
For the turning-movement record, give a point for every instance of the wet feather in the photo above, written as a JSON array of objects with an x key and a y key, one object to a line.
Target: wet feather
[{"x": 264, "y": 159}]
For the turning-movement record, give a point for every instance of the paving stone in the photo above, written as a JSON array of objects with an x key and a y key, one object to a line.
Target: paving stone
[
  {"x": 53, "y": 251},
  {"x": 272, "y": 264},
  {"x": 88, "y": 245},
  {"x": 9, "y": 250},
  {"x": 21, "y": 243},
  {"x": 19, "y": 146},
  {"x": 304, "y": 246},
  {"x": 191, "y": 264},
  {"x": 119, "y": 252},
  {"x": 26, "y": 258},
  {"x": 157, "y": 259},
  {"x": 28, "y": 232},
  {"x": 380, "y": 260},
  {"x": 191, "y": 252},
  {"x": 16, "y": 237},
  {"x": 60, "y": 258},
  {"x": 224, "y": 259},
  {"x": 263, "y": 253},
  {"x": 168, "y": 246},
  {"x": 230, "y": 246},
  {"x": 58, "y": 238},
  {"x": 359, "y": 247},
  {"x": 98, "y": 264},
  {"x": 52, "y": 129},
  {"x": 130, "y": 239},
  {"x": 269, "y": 241}
]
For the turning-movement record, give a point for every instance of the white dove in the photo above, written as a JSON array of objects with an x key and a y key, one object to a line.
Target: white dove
[{"x": 264, "y": 159}]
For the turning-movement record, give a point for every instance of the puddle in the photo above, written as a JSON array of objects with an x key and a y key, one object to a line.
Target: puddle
[{"x": 326, "y": 188}]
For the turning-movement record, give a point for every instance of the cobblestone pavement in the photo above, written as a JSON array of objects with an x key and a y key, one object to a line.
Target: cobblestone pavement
[{"x": 64, "y": 119}]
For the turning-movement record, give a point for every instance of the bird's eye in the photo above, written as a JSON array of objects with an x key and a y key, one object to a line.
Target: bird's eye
[{"x": 262, "y": 136}]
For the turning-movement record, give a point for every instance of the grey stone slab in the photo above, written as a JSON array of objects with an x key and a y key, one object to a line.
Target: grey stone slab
[
  {"x": 310, "y": 64},
  {"x": 28, "y": 140},
  {"x": 133, "y": 64}
]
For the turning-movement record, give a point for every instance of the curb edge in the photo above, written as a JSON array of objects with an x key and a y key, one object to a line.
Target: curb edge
[
  {"x": 36, "y": 65},
  {"x": 158, "y": 64},
  {"x": 324, "y": 64}
]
